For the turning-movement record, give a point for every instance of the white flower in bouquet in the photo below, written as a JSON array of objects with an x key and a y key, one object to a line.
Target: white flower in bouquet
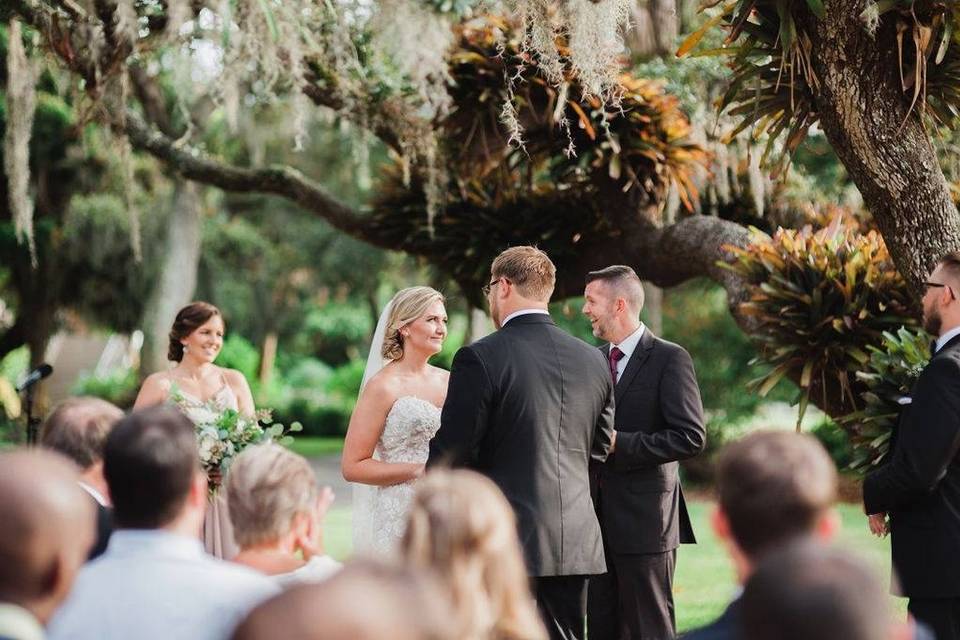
[{"x": 223, "y": 433}]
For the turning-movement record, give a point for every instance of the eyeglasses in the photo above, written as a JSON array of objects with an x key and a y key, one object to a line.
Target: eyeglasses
[{"x": 487, "y": 287}]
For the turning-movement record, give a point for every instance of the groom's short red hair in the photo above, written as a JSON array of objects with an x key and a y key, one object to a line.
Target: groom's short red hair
[{"x": 529, "y": 269}]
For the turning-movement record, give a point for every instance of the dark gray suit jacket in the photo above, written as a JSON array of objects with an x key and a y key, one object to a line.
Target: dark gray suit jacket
[
  {"x": 920, "y": 485},
  {"x": 529, "y": 406},
  {"x": 659, "y": 420}
]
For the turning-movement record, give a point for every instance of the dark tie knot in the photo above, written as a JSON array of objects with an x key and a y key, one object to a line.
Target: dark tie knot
[{"x": 616, "y": 354}]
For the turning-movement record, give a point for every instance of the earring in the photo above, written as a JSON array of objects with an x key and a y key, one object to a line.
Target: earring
[{"x": 185, "y": 349}]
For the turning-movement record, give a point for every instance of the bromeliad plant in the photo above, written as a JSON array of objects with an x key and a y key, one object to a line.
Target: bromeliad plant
[
  {"x": 774, "y": 84},
  {"x": 581, "y": 164},
  {"x": 822, "y": 298},
  {"x": 893, "y": 368}
]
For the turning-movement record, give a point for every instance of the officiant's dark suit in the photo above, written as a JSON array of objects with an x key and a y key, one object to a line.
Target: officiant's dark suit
[
  {"x": 920, "y": 488},
  {"x": 530, "y": 406},
  {"x": 659, "y": 420}
]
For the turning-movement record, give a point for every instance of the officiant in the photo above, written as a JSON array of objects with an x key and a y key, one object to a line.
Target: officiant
[{"x": 659, "y": 421}]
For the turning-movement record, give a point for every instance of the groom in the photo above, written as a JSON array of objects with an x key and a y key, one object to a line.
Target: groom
[{"x": 530, "y": 406}]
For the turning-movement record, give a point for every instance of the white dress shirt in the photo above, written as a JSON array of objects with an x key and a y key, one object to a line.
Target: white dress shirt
[
  {"x": 317, "y": 569},
  {"x": 17, "y": 623},
  {"x": 523, "y": 312},
  {"x": 156, "y": 585},
  {"x": 945, "y": 338},
  {"x": 627, "y": 346},
  {"x": 96, "y": 495}
]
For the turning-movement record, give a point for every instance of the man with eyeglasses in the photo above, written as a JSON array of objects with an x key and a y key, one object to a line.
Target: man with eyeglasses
[{"x": 919, "y": 487}]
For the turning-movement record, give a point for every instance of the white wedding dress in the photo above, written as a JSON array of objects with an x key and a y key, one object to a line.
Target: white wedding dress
[{"x": 409, "y": 426}]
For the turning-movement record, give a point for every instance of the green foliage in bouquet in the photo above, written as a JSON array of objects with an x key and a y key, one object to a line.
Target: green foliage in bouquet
[
  {"x": 223, "y": 433},
  {"x": 893, "y": 368},
  {"x": 822, "y": 298}
]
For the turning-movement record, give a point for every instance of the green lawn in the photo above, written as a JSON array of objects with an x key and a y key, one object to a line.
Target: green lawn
[
  {"x": 704, "y": 580},
  {"x": 317, "y": 446}
]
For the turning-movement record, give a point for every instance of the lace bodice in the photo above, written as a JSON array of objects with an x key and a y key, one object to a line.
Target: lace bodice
[
  {"x": 409, "y": 427},
  {"x": 410, "y": 424}
]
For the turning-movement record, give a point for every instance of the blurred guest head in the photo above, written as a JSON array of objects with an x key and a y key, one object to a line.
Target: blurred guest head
[
  {"x": 152, "y": 468},
  {"x": 773, "y": 487},
  {"x": 810, "y": 592},
  {"x": 365, "y": 601},
  {"x": 461, "y": 527},
  {"x": 78, "y": 429},
  {"x": 46, "y": 529},
  {"x": 276, "y": 510},
  {"x": 272, "y": 494}
]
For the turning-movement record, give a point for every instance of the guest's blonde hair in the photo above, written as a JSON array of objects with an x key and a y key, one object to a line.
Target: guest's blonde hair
[
  {"x": 407, "y": 305},
  {"x": 529, "y": 269},
  {"x": 461, "y": 527},
  {"x": 267, "y": 486}
]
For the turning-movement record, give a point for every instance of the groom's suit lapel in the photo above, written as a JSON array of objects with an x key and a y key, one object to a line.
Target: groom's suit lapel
[{"x": 640, "y": 355}]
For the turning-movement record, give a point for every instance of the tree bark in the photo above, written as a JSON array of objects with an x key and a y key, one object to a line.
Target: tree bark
[
  {"x": 863, "y": 113},
  {"x": 178, "y": 275},
  {"x": 653, "y": 31},
  {"x": 653, "y": 307}
]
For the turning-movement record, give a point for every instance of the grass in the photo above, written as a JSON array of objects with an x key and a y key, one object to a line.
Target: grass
[
  {"x": 704, "y": 581},
  {"x": 317, "y": 446}
]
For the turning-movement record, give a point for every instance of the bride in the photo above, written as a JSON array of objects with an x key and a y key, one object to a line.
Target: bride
[{"x": 397, "y": 414}]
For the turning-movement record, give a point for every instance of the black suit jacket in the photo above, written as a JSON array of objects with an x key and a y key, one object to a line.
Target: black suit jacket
[
  {"x": 920, "y": 486},
  {"x": 726, "y": 627},
  {"x": 104, "y": 529},
  {"x": 659, "y": 420},
  {"x": 530, "y": 406}
]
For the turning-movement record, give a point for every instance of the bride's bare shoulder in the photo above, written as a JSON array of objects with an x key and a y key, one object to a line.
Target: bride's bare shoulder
[{"x": 383, "y": 385}]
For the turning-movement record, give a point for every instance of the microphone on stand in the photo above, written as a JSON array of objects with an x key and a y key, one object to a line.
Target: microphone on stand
[
  {"x": 34, "y": 377},
  {"x": 28, "y": 384}
]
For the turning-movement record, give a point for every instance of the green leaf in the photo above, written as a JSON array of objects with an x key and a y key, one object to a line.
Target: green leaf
[{"x": 694, "y": 38}]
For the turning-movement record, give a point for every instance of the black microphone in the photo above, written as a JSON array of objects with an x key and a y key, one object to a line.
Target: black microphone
[{"x": 35, "y": 376}]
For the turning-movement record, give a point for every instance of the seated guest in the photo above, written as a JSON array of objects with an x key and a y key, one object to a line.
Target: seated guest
[
  {"x": 277, "y": 512},
  {"x": 462, "y": 528},
  {"x": 46, "y": 529},
  {"x": 366, "y": 600},
  {"x": 773, "y": 487},
  {"x": 809, "y": 592},
  {"x": 155, "y": 581},
  {"x": 77, "y": 428}
]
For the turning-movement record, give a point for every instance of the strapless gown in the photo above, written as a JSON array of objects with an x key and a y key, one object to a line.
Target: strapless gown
[{"x": 409, "y": 426}]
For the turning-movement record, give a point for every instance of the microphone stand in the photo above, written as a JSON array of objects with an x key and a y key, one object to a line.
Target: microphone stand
[{"x": 33, "y": 422}]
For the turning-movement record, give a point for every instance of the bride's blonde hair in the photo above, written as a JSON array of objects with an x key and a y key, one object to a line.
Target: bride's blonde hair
[
  {"x": 407, "y": 305},
  {"x": 461, "y": 527}
]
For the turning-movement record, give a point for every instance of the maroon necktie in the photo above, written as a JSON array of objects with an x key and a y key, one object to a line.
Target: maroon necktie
[{"x": 614, "y": 358}]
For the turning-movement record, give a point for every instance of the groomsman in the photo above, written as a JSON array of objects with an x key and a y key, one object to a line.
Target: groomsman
[
  {"x": 530, "y": 406},
  {"x": 920, "y": 486},
  {"x": 659, "y": 420}
]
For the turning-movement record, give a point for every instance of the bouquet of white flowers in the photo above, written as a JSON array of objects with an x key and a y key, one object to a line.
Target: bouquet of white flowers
[{"x": 223, "y": 433}]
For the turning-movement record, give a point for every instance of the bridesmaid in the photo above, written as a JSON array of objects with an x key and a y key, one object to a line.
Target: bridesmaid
[{"x": 195, "y": 341}]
